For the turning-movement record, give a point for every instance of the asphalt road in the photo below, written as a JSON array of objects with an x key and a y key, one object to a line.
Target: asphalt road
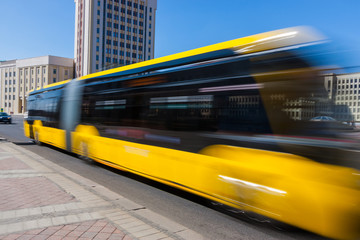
[{"x": 189, "y": 210}]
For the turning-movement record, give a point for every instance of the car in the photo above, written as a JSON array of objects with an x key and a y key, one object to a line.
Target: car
[{"x": 5, "y": 118}]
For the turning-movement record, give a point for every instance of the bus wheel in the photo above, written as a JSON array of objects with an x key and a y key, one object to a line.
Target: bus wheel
[
  {"x": 36, "y": 139},
  {"x": 85, "y": 152}
]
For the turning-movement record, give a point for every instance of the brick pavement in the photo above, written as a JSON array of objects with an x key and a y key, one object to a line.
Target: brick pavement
[{"x": 41, "y": 200}]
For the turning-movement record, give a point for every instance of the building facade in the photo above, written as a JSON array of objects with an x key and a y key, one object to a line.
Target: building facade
[
  {"x": 18, "y": 77},
  {"x": 112, "y": 33},
  {"x": 344, "y": 92}
]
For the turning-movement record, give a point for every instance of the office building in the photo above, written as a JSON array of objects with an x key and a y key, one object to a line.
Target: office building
[
  {"x": 18, "y": 77},
  {"x": 113, "y": 33},
  {"x": 344, "y": 91}
]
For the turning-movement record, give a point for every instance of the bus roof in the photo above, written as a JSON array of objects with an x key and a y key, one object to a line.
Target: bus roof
[
  {"x": 245, "y": 45},
  {"x": 49, "y": 87}
]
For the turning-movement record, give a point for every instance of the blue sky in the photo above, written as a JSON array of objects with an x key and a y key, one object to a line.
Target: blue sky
[{"x": 31, "y": 28}]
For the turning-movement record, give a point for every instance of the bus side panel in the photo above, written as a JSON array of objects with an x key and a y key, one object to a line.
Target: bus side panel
[
  {"x": 27, "y": 129},
  {"x": 53, "y": 136},
  {"x": 232, "y": 176}
]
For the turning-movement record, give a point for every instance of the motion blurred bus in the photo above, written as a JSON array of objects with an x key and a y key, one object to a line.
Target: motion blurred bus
[{"x": 231, "y": 122}]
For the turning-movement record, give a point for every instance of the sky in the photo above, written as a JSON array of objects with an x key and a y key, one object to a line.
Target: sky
[{"x": 32, "y": 28}]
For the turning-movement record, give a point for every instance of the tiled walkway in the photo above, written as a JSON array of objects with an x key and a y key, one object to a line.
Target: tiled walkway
[{"x": 41, "y": 200}]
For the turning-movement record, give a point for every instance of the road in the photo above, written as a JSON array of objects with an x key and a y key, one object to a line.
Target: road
[{"x": 191, "y": 211}]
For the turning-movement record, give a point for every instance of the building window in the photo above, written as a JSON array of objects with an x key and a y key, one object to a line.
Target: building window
[
  {"x": 54, "y": 80},
  {"x": 54, "y": 71},
  {"x": 66, "y": 72}
]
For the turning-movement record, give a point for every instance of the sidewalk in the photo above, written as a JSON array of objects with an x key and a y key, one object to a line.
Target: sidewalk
[{"x": 41, "y": 200}]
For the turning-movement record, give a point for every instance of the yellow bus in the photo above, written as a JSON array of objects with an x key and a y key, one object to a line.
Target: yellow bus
[{"x": 231, "y": 122}]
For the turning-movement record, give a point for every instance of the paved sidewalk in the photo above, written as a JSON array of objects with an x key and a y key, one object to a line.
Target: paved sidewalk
[{"x": 41, "y": 200}]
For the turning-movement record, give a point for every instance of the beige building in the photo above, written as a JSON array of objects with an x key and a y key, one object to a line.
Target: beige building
[
  {"x": 344, "y": 91},
  {"x": 18, "y": 77},
  {"x": 113, "y": 33}
]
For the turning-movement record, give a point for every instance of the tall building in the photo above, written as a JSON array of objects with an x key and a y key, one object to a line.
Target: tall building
[
  {"x": 112, "y": 33},
  {"x": 18, "y": 77}
]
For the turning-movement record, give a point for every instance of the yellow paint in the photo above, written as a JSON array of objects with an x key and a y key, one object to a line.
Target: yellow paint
[
  {"x": 26, "y": 129},
  {"x": 80, "y": 138},
  {"x": 49, "y": 135},
  {"x": 50, "y": 85},
  {"x": 281, "y": 186}
]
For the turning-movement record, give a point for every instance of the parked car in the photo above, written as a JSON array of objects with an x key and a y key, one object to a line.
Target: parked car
[{"x": 5, "y": 118}]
